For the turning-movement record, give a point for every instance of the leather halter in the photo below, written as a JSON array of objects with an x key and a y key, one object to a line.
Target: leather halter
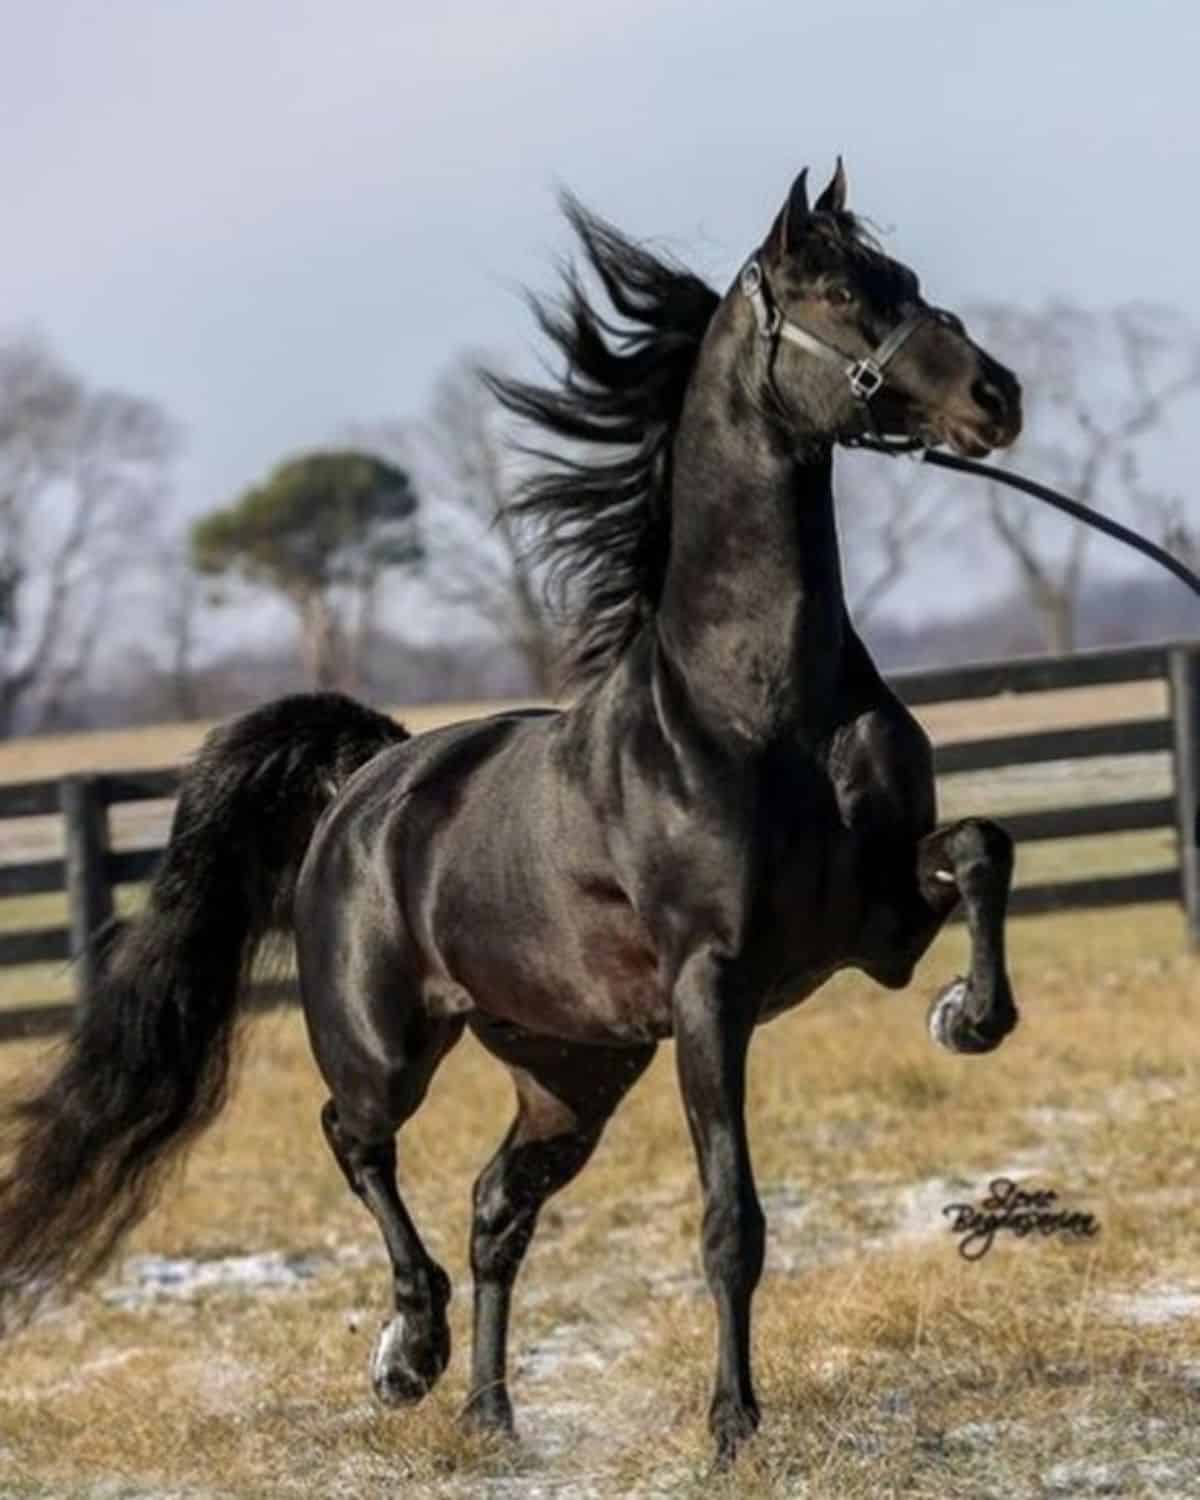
[{"x": 864, "y": 374}]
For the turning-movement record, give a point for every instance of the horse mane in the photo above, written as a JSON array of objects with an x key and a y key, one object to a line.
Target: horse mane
[{"x": 598, "y": 512}]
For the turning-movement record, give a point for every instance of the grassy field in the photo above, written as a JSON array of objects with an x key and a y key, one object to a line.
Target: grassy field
[{"x": 888, "y": 1364}]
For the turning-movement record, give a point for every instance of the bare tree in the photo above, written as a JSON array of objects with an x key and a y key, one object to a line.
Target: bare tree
[
  {"x": 1161, "y": 512},
  {"x": 479, "y": 563},
  {"x": 79, "y": 468},
  {"x": 1096, "y": 384},
  {"x": 180, "y": 594}
]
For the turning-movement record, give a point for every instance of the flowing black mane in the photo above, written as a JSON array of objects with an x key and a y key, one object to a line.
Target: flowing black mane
[{"x": 601, "y": 521}]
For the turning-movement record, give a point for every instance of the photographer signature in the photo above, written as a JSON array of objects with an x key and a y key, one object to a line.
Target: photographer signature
[{"x": 1018, "y": 1211}]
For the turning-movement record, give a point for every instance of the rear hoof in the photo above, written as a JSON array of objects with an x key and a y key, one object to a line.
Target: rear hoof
[
  {"x": 951, "y": 1027},
  {"x": 405, "y": 1366}
]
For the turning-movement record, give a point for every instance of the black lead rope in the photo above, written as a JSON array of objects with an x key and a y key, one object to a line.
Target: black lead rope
[{"x": 1074, "y": 508}]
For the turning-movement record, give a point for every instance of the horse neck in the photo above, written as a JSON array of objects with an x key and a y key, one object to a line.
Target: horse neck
[{"x": 752, "y": 616}]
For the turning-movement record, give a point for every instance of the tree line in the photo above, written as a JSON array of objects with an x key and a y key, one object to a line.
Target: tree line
[{"x": 415, "y": 510}]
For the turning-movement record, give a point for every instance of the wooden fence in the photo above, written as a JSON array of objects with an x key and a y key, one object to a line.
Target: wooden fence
[{"x": 90, "y": 870}]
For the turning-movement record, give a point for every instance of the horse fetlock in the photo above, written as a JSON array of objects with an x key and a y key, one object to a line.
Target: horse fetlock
[
  {"x": 410, "y": 1355},
  {"x": 439, "y": 1288},
  {"x": 733, "y": 1421},
  {"x": 489, "y": 1410}
]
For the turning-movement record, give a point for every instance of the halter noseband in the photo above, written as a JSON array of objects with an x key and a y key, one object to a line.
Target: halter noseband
[{"x": 866, "y": 374}]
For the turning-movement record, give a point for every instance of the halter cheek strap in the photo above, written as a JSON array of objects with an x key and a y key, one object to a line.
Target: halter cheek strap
[{"x": 866, "y": 374}]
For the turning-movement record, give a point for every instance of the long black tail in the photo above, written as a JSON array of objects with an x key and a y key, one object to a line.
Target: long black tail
[{"x": 147, "y": 1065}]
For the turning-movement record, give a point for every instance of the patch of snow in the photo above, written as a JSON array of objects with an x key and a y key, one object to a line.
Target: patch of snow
[
  {"x": 794, "y": 1241},
  {"x": 689, "y": 1283},
  {"x": 83, "y": 1374},
  {"x": 1155, "y": 1305},
  {"x": 571, "y": 1348},
  {"x": 120, "y": 1489},
  {"x": 522, "y": 1487},
  {"x": 1083, "y": 1477},
  {"x": 151, "y": 1278},
  {"x": 985, "y": 1434},
  {"x": 1053, "y": 1119},
  {"x": 1088, "y": 1477},
  {"x": 1161, "y": 1472},
  {"x": 836, "y": 1359},
  {"x": 221, "y": 1383},
  {"x": 917, "y": 1209}
]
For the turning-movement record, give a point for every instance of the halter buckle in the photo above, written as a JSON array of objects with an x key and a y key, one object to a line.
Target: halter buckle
[{"x": 865, "y": 378}]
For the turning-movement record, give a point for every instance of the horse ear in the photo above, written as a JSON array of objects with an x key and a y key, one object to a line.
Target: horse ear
[
  {"x": 788, "y": 228},
  {"x": 833, "y": 199}
]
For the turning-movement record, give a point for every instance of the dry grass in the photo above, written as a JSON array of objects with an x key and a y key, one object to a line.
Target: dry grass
[{"x": 887, "y": 1364}]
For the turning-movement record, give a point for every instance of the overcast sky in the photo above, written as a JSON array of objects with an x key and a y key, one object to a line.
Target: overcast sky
[{"x": 280, "y": 217}]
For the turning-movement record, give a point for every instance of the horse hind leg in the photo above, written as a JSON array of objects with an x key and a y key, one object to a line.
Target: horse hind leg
[
  {"x": 413, "y": 1347},
  {"x": 972, "y": 860},
  {"x": 564, "y": 1099}
]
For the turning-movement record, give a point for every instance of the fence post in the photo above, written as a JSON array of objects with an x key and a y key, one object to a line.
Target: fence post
[
  {"x": 89, "y": 894},
  {"x": 1184, "y": 674}
]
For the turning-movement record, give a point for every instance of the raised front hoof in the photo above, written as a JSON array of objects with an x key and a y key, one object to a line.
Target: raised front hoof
[
  {"x": 489, "y": 1413},
  {"x": 951, "y": 1027},
  {"x": 407, "y": 1363},
  {"x": 732, "y": 1425}
]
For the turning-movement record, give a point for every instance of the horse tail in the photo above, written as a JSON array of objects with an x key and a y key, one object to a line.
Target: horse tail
[{"x": 146, "y": 1066}]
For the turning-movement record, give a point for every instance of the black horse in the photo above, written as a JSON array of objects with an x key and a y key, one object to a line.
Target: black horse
[{"x": 735, "y": 807}]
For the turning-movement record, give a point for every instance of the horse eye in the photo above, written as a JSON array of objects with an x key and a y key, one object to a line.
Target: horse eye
[{"x": 842, "y": 295}]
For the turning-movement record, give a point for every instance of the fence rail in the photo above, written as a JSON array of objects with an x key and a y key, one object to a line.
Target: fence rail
[{"x": 90, "y": 870}]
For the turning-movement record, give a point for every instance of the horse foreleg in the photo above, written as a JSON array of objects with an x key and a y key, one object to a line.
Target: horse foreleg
[
  {"x": 971, "y": 861},
  {"x": 712, "y": 1034}
]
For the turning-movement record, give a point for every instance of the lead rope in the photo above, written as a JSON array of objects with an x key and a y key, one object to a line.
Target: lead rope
[{"x": 1073, "y": 508}]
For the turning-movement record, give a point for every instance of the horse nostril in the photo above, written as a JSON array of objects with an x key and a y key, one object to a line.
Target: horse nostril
[{"x": 990, "y": 398}]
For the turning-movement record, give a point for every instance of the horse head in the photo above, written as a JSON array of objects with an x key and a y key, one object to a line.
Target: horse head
[{"x": 852, "y": 345}]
